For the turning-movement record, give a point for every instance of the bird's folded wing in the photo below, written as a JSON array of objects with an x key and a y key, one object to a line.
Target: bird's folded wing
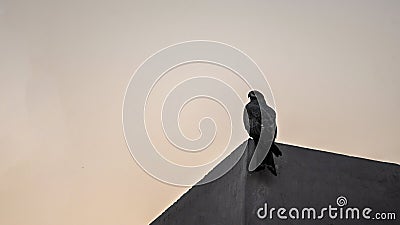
[{"x": 263, "y": 146}]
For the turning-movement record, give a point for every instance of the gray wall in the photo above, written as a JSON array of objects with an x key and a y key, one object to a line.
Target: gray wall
[
  {"x": 219, "y": 202},
  {"x": 306, "y": 178}
]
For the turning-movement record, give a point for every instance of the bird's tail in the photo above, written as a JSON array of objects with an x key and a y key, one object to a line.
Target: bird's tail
[
  {"x": 274, "y": 149},
  {"x": 269, "y": 159}
]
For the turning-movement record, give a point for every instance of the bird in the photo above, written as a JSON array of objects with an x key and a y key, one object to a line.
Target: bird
[{"x": 260, "y": 123}]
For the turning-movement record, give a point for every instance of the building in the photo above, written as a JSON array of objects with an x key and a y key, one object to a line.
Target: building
[{"x": 308, "y": 180}]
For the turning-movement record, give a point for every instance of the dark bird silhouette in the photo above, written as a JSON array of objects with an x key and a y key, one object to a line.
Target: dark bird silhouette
[{"x": 260, "y": 122}]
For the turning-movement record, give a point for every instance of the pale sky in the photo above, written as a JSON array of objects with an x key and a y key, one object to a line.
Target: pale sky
[{"x": 333, "y": 67}]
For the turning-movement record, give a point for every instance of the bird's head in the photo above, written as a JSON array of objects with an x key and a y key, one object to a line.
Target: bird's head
[{"x": 254, "y": 95}]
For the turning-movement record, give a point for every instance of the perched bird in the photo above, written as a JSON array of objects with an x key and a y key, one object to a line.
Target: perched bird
[{"x": 260, "y": 122}]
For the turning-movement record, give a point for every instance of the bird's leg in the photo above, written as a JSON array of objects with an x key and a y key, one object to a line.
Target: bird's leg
[{"x": 270, "y": 163}]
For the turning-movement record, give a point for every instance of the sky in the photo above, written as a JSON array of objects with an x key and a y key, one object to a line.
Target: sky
[{"x": 333, "y": 67}]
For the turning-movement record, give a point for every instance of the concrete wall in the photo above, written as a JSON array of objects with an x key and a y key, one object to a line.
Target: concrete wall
[
  {"x": 306, "y": 178},
  {"x": 219, "y": 202}
]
